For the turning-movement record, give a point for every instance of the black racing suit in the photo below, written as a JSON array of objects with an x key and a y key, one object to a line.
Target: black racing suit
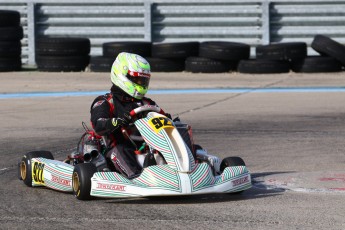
[{"x": 116, "y": 104}]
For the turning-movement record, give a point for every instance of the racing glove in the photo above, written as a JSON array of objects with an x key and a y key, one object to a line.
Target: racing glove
[
  {"x": 120, "y": 121},
  {"x": 168, "y": 115}
]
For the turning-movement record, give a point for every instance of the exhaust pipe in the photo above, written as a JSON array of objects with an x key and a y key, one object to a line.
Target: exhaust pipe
[{"x": 90, "y": 152}]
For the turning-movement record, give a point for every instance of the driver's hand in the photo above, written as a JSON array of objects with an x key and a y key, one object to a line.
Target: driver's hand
[
  {"x": 124, "y": 120},
  {"x": 168, "y": 115}
]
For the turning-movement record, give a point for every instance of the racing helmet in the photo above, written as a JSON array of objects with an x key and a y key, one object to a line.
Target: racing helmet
[{"x": 131, "y": 73}]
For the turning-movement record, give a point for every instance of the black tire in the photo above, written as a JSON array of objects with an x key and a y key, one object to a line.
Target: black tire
[
  {"x": 62, "y": 46},
  {"x": 325, "y": 45},
  {"x": 101, "y": 64},
  {"x": 10, "y": 64},
  {"x": 10, "y": 49},
  {"x": 282, "y": 51},
  {"x": 166, "y": 65},
  {"x": 112, "y": 49},
  {"x": 207, "y": 65},
  {"x": 24, "y": 167},
  {"x": 14, "y": 33},
  {"x": 179, "y": 50},
  {"x": 9, "y": 18},
  {"x": 316, "y": 65},
  {"x": 263, "y": 66},
  {"x": 231, "y": 161},
  {"x": 224, "y": 50},
  {"x": 62, "y": 63},
  {"x": 81, "y": 180}
]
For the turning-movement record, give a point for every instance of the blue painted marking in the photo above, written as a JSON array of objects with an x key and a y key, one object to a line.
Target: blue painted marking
[{"x": 181, "y": 91}]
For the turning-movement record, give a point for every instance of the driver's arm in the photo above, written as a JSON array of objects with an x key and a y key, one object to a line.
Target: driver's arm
[{"x": 101, "y": 121}]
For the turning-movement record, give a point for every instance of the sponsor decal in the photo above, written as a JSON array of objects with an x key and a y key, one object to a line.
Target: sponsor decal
[
  {"x": 240, "y": 181},
  {"x": 111, "y": 187},
  {"x": 37, "y": 173},
  {"x": 60, "y": 180},
  {"x": 158, "y": 123}
]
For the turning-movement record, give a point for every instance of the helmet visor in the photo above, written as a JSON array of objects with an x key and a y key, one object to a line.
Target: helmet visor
[{"x": 142, "y": 79}]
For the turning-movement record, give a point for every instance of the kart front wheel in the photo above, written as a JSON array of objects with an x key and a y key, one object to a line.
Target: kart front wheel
[
  {"x": 24, "y": 166},
  {"x": 81, "y": 180},
  {"x": 232, "y": 161}
]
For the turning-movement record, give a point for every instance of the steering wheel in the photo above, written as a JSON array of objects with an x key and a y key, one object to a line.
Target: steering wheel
[
  {"x": 145, "y": 108},
  {"x": 135, "y": 112}
]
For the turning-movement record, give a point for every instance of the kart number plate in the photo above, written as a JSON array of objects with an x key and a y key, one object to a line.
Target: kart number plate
[
  {"x": 37, "y": 173},
  {"x": 158, "y": 123}
]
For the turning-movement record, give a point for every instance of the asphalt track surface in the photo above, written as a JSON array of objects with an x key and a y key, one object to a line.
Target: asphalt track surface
[{"x": 292, "y": 142}]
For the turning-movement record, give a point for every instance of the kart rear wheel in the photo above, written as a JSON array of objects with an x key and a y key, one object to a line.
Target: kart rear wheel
[
  {"x": 24, "y": 166},
  {"x": 81, "y": 180}
]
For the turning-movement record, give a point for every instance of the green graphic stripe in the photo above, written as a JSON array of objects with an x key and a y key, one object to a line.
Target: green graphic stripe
[
  {"x": 61, "y": 173},
  {"x": 162, "y": 144},
  {"x": 171, "y": 157},
  {"x": 231, "y": 172},
  {"x": 150, "y": 135},
  {"x": 191, "y": 157},
  {"x": 56, "y": 169},
  {"x": 240, "y": 188},
  {"x": 57, "y": 186},
  {"x": 155, "y": 176},
  {"x": 202, "y": 177},
  {"x": 111, "y": 176},
  {"x": 97, "y": 192}
]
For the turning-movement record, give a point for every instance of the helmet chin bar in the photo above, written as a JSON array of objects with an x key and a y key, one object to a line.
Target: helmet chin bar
[{"x": 138, "y": 95}]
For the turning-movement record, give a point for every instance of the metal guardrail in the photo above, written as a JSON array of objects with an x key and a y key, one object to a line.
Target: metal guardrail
[{"x": 253, "y": 22}]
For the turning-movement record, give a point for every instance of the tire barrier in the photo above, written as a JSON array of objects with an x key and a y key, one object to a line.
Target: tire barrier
[
  {"x": 166, "y": 65},
  {"x": 112, "y": 49},
  {"x": 208, "y": 65},
  {"x": 294, "y": 54},
  {"x": 62, "y": 54},
  {"x": 282, "y": 51},
  {"x": 10, "y": 35},
  {"x": 329, "y": 47},
  {"x": 173, "y": 54},
  {"x": 222, "y": 57},
  {"x": 260, "y": 66},
  {"x": 101, "y": 63},
  {"x": 228, "y": 51},
  {"x": 56, "y": 54},
  {"x": 273, "y": 58},
  {"x": 218, "y": 57},
  {"x": 316, "y": 64}
]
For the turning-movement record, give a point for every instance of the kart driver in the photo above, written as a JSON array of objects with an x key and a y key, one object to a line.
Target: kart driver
[{"x": 130, "y": 75}]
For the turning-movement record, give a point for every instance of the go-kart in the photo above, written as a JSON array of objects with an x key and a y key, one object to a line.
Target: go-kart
[{"x": 171, "y": 165}]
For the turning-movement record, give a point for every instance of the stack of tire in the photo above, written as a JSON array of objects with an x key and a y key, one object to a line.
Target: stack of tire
[
  {"x": 274, "y": 58},
  {"x": 110, "y": 50},
  {"x": 171, "y": 57},
  {"x": 10, "y": 35},
  {"x": 207, "y": 57},
  {"x": 281, "y": 57},
  {"x": 62, "y": 54},
  {"x": 332, "y": 57},
  {"x": 217, "y": 57}
]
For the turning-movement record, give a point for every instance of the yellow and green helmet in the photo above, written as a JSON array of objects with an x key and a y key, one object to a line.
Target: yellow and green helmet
[{"x": 131, "y": 73}]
